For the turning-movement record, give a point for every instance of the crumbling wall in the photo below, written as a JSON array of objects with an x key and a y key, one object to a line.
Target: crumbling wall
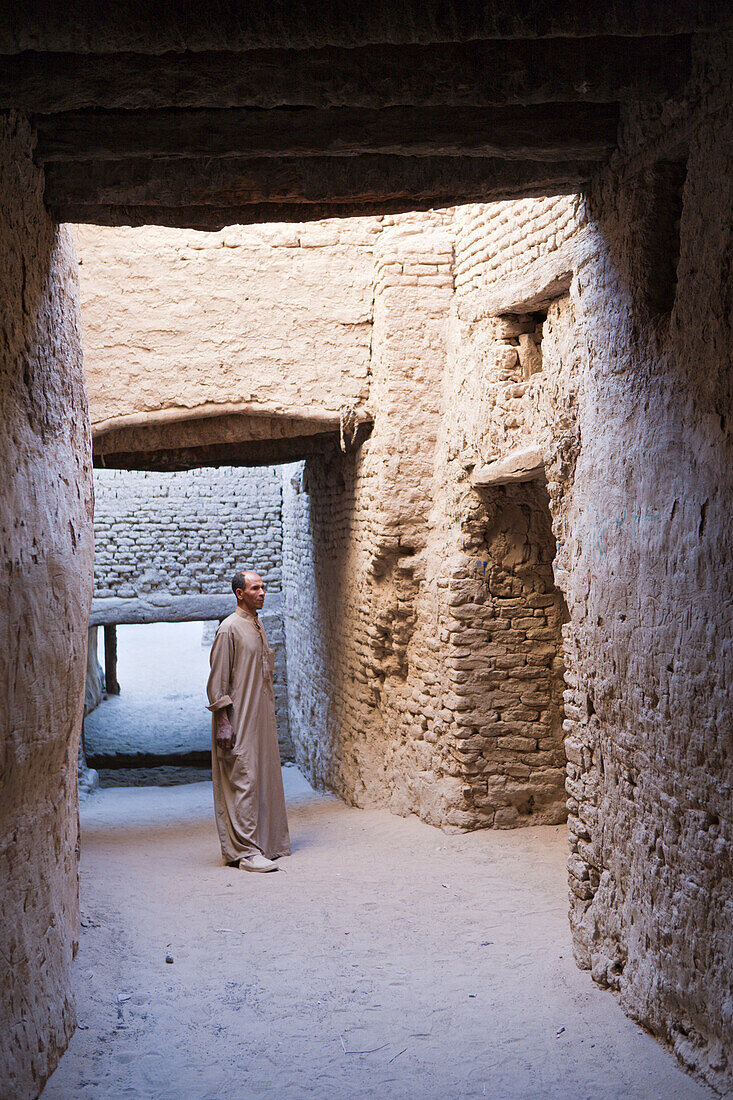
[
  {"x": 354, "y": 541},
  {"x": 46, "y": 525},
  {"x": 272, "y": 320},
  {"x": 442, "y": 693},
  {"x": 628, "y": 403},
  {"x": 644, "y": 523},
  {"x": 501, "y": 613}
]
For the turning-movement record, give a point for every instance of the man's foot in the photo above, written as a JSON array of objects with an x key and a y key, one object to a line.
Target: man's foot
[{"x": 257, "y": 862}]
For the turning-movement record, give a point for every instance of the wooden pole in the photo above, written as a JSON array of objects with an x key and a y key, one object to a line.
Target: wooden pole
[{"x": 110, "y": 660}]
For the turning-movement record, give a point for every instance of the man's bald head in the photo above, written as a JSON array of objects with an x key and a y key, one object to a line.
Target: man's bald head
[
  {"x": 239, "y": 580},
  {"x": 249, "y": 588}
]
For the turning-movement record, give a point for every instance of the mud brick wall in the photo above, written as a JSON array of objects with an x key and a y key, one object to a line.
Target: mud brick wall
[
  {"x": 631, "y": 408},
  {"x": 46, "y": 533},
  {"x": 502, "y": 638},
  {"x": 497, "y": 239},
  {"x": 361, "y": 655},
  {"x": 186, "y": 532},
  {"x": 643, "y": 519}
]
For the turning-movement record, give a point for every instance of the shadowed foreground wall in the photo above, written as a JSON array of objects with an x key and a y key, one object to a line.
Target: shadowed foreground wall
[
  {"x": 645, "y": 563},
  {"x": 46, "y": 530},
  {"x": 630, "y": 405}
]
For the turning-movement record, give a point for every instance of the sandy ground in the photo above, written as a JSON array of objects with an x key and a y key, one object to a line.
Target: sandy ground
[
  {"x": 162, "y": 669},
  {"x": 386, "y": 960}
]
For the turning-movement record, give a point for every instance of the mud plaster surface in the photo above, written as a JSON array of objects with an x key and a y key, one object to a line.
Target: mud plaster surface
[{"x": 446, "y": 959}]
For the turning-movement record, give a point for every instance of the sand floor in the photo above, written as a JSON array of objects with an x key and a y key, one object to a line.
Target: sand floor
[{"x": 386, "y": 961}]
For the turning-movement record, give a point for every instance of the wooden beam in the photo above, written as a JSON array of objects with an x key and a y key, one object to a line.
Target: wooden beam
[
  {"x": 106, "y": 26},
  {"x": 234, "y": 182},
  {"x": 159, "y": 607},
  {"x": 111, "y": 682},
  {"x": 598, "y": 70},
  {"x": 251, "y": 452},
  {"x": 560, "y": 132},
  {"x": 211, "y": 219}
]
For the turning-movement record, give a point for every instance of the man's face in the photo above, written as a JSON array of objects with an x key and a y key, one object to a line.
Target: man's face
[{"x": 253, "y": 594}]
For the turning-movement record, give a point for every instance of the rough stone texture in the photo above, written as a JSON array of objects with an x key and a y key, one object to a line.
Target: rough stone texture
[
  {"x": 358, "y": 525},
  {"x": 425, "y": 665},
  {"x": 498, "y": 239},
  {"x": 46, "y": 525},
  {"x": 160, "y": 607},
  {"x": 426, "y": 658},
  {"x": 185, "y": 532},
  {"x": 489, "y": 73},
  {"x": 173, "y": 535},
  {"x": 587, "y": 347},
  {"x": 629, "y": 399},
  {"x": 645, "y": 563},
  {"x": 597, "y": 332}
]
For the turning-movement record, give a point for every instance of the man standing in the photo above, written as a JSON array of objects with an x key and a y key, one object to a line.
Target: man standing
[{"x": 249, "y": 802}]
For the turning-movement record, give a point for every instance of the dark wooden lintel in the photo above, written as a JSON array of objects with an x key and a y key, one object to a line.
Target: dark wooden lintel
[
  {"x": 229, "y": 182},
  {"x": 107, "y": 26},
  {"x": 481, "y": 74},
  {"x": 556, "y": 132}
]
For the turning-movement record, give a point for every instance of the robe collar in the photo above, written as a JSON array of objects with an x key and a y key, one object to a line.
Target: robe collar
[{"x": 251, "y": 615}]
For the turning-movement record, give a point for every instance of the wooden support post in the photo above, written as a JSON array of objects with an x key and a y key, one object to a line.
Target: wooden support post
[{"x": 110, "y": 660}]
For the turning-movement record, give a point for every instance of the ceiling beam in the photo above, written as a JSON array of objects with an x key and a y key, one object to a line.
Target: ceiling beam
[
  {"x": 235, "y": 182},
  {"x": 561, "y": 132},
  {"x": 107, "y": 26},
  {"x": 211, "y": 219},
  {"x": 251, "y": 452},
  {"x": 600, "y": 70}
]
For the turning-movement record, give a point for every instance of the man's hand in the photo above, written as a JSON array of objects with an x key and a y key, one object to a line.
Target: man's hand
[{"x": 224, "y": 732}]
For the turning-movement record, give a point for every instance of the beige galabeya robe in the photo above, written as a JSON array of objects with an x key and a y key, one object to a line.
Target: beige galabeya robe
[{"x": 249, "y": 801}]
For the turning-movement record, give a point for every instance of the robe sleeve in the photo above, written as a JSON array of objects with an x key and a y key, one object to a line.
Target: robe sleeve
[{"x": 222, "y": 655}]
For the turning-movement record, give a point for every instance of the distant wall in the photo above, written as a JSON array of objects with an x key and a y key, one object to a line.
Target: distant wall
[{"x": 185, "y": 532}]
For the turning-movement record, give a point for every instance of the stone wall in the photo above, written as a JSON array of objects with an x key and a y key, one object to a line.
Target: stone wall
[
  {"x": 497, "y": 239},
  {"x": 449, "y": 607},
  {"x": 188, "y": 532},
  {"x": 644, "y": 522},
  {"x": 354, "y": 540},
  {"x": 628, "y": 403},
  {"x": 425, "y": 664},
  {"x": 185, "y": 532},
  {"x": 46, "y": 525}
]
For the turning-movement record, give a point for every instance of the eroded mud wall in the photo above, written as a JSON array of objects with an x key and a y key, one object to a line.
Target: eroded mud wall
[
  {"x": 273, "y": 320},
  {"x": 647, "y": 543},
  {"x": 355, "y": 531},
  {"x": 425, "y": 661},
  {"x": 46, "y": 525},
  {"x": 627, "y": 394}
]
